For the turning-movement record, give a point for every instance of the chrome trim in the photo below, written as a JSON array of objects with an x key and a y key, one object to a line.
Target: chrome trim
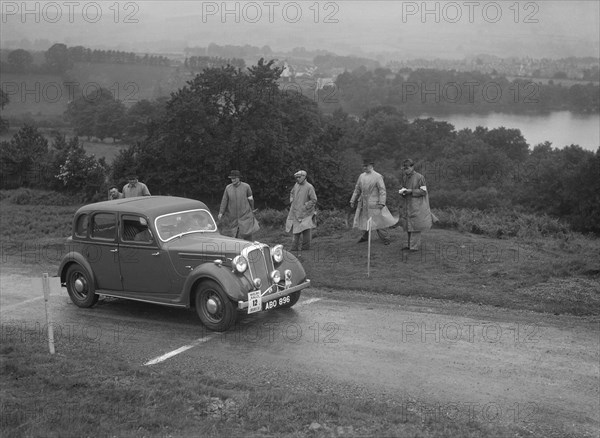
[
  {"x": 281, "y": 293},
  {"x": 139, "y": 299},
  {"x": 246, "y": 251}
]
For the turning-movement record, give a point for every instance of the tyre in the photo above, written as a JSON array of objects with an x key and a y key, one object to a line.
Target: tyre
[
  {"x": 213, "y": 306},
  {"x": 294, "y": 297},
  {"x": 80, "y": 287}
]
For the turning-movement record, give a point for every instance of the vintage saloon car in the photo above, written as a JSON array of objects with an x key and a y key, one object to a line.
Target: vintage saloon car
[{"x": 168, "y": 250}]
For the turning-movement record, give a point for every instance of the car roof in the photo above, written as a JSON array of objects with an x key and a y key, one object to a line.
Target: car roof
[{"x": 152, "y": 206}]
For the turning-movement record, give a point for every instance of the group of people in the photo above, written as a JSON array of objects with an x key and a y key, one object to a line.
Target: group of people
[
  {"x": 238, "y": 203},
  {"x": 131, "y": 189},
  {"x": 372, "y": 213},
  {"x": 369, "y": 197}
]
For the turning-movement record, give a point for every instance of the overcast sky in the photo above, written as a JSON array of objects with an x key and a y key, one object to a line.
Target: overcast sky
[{"x": 407, "y": 29}]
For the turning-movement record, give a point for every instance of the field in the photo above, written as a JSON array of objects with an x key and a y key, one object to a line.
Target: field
[
  {"x": 99, "y": 149},
  {"x": 543, "y": 275},
  {"x": 44, "y": 98}
]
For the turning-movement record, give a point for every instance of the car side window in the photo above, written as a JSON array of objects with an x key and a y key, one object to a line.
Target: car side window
[
  {"x": 135, "y": 229},
  {"x": 81, "y": 226},
  {"x": 104, "y": 226}
]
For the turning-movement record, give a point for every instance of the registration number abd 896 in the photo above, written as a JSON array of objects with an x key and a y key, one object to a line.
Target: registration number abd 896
[
  {"x": 256, "y": 304},
  {"x": 277, "y": 302}
]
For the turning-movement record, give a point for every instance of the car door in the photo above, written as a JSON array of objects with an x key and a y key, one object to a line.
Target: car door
[
  {"x": 144, "y": 265},
  {"x": 102, "y": 251}
]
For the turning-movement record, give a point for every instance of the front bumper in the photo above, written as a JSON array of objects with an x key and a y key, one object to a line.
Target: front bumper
[{"x": 278, "y": 294}]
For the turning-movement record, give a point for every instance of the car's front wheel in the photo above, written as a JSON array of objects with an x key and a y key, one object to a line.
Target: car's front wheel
[
  {"x": 80, "y": 286},
  {"x": 214, "y": 307}
]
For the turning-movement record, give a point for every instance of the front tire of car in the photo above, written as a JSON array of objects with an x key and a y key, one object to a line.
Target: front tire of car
[
  {"x": 213, "y": 306},
  {"x": 80, "y": 287},
  {"x": 294, "y": 297}
]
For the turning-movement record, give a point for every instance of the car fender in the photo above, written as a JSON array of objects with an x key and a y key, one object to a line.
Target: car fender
[
  {"x": 74, "y": 257},
  {"x": 230, "y": 282},
  {"x": 290, "y": 261}
]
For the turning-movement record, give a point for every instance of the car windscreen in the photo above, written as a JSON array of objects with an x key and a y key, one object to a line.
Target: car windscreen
[{"x": 176, "y": 224}]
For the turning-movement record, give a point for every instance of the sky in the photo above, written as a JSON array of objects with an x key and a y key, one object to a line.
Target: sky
[{"x": 398, "y": 29}]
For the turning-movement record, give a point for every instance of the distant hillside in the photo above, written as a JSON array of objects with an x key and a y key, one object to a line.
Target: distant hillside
[{"x": 41, "y": 97}]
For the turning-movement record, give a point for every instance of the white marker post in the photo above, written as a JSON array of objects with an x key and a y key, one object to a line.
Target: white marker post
[
  {"x": 46, "y": 288},
  {"x": 369, "y": 247}
]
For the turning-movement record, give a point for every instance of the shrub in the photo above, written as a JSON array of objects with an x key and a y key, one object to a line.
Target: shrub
[
  {"x": 272, "y": 218},
  {"x": 25, "y": 196},
  {"x": 21, "y": 197},
  {"x": 501, "y": 223}
]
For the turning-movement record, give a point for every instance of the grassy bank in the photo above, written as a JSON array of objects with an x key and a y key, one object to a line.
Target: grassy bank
[
  {"x": 90, "y": 390},
  {"x": 531, "y": 263}
]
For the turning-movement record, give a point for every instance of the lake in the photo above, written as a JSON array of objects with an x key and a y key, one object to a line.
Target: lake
[{"x": 561, "y": 128}]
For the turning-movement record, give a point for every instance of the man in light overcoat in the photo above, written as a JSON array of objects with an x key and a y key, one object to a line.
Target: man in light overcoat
[
  {"x": 301, "y": 218},
  {"x": 370, "y": 198}
]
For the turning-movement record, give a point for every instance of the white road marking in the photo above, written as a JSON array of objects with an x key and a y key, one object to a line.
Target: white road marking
[
  {"x": 205, "y": 339},
  {"x": 310, "y": 301},
  {"x": 22, "y": 303},
  {"x": 179, "y": 350}
]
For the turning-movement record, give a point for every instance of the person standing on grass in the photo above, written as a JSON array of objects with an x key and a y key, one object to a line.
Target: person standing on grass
[
  {"x": 417, "y": 216},
  {"x": 134, "y": 187},
  {"x": 370, "y": 197},
  {"x": 239, "y": 204},
  {"x": 301, "y": 218}
]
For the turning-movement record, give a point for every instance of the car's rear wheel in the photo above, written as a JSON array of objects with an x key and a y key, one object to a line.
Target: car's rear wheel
[
  {"x": 294, "y": 297},
  {"x": 80, "y": 286},
  {"x": 213, "y": 306}
]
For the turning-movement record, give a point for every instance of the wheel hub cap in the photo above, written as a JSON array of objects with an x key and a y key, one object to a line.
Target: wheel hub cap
[
  {"x": 79, "y": 285},
  {"x": 212, "y": 306}
]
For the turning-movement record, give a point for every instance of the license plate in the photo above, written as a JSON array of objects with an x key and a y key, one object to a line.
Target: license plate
[
  {"x": 254, "y": 302},
  {"x": 277, "y": 302}
]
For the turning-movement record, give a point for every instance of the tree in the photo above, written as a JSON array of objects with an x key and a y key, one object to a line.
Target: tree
[
  {"x": 142, "y": 117},
  {"x": 81, "y": 173},
  {"x": 4, "y": 100},
  {"x": 58, "y": 58},
  {"x": 510, "y": 141},
  {"x": 23, "y": 159},
  {"x": 228, "y": 118},
  {"x": 97, "y": 114},
  {"x": 20, "y": 60}
]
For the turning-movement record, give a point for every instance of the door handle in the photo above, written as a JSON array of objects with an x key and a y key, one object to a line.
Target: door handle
[
  {"x": 156, "y": 254},
  {"x": 114, "y": 250}
]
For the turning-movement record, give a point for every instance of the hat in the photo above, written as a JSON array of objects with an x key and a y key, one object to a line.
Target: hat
[
  {"x": 368, "y": 161},
  {"x": 300, "y": 173},
  {"x": 235, "y": 174}
]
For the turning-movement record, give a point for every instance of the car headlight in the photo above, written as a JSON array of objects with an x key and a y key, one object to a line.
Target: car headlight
[
  {"x": 277, "y": 253},
  {"x": 240, "y": 263},
  {"x": 276, "y": 276}
]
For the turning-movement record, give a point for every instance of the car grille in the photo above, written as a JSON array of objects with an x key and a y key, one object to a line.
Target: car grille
[{"x": 261, "y": 265}]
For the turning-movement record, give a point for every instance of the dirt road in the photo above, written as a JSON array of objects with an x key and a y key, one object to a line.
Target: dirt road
[{"x": 426, "y": 357}]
